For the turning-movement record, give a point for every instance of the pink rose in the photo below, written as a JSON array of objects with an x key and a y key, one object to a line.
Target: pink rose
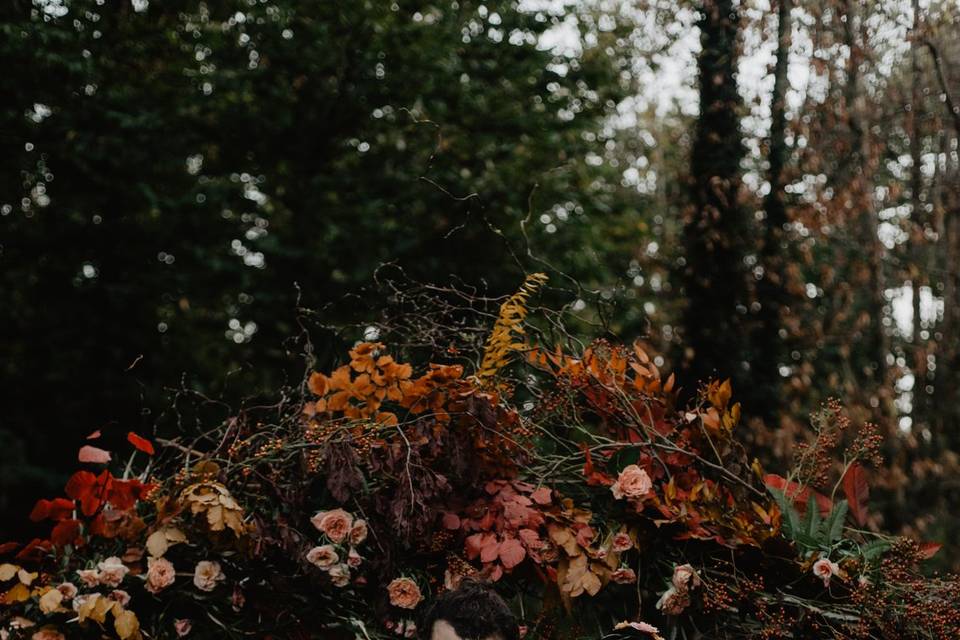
[
  {"x": 334, "y": 524},
  {"x": 673, "y": 601},
  {"x": 685, "y": 577},
  {"x": 89, "y": 577},
  {"x": 237, "y": 600},
  {"x": 47, "y": 633},
  {"x": 182, "y": 627},
  {"x": 638, "y": 626},
  {"x": 120, "y": 596},
  {"x": 622, "y": 542},
  {"x": 112, "y": 571},
  {"x": 404, "y": 593},
  {"x": 339, "y": 575},
  {"x": 353, "y": 558},
  {"x": 324, "y": 556},
  {"x": 160, "y": 574},
  {"x": 624, "y": 575},
  {"x": 358, "y": 532},
  {"x": 68, "y": 589},
  {"x": 78, "y": 601},
  {"x": 633, "y": 482},
  {"x": 207, "y": 574},
  {"x": 825, "y": 569}
]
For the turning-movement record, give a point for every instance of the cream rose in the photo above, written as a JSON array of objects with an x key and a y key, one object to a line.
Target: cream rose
[
  {"x": 112, "y": 571},
  {"x": 207, "y": 574},
  {"x": 624, "y": 575},
  {"x": 685, "y": 577},
  {"x": 633, "y": 482},
  {"x": 324, "y": 556},
  {"x": 404, "y": 593},
  {"x": 160, "y": 574},
  {"x": 334, "y": 524},
  {"x": 358, "y": 532},
  {"x": 354, "y": 559},
  {"x": 825, "y": 569},
  {"x": 89, "y": 577},
  {"x": 637, "y": 626},
  {"x": 68, "y": 589},
  {"x": 673, "y": 601},
  {"x": 339, "y": 575}
]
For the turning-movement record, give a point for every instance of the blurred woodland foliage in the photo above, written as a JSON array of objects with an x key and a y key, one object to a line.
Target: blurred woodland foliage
[{"x": 182, "y": 181}]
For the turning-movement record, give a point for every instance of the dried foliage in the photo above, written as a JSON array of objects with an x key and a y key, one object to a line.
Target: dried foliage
[{"x": 572, "y": 479}]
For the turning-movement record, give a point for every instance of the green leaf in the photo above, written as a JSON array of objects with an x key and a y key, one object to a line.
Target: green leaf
[
  {"x": 811, "y": 521},
  {"x": 833, "y": 525},
  {"x": 791, "y": 519},
  {"x": 873, "y": 550}
]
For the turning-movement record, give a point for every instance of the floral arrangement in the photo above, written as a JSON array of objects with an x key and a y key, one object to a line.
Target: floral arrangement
[{"x": 572, "y": 479}]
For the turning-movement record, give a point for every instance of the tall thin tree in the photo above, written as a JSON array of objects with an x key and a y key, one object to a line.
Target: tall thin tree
[
  {"x": 716, "y": 228},
  {"x": 771, "y": 290}
]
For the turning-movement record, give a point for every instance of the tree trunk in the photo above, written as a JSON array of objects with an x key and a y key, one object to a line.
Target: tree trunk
[
  {"x": 771, "y": 289},
  {"x": 916, "y": 250},
  {"x": 870, "y": 323},
  {"x": 716, "y": 228}
]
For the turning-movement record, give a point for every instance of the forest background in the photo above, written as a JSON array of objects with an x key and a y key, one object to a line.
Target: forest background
[{"x": 192, "y": 193}]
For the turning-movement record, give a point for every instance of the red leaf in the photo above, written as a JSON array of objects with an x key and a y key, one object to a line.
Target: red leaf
[
  {"x": 798, "y": 493},
  {"x": 472, "y": 546},
  {"x": 79, "y": 484},
  {"x": 94, "y": 455},
  {"x": 89, "y": 489},
  {"x": 593, "y": 476},
  {"x": 140, "y": 443},
  {"x": 512, "y": 553},
  {"x": 57, "y": 509},
  {"x": 541, "y": 495},
  {"x": 530, "y": 538},
  {"x": 490, "y": 549},
  {"x": 34, "y": 551},
  {"x": 929, "y": 549},
  {"x": 66, "y": 532},
  {"x": 857, "y": 492},
  {"x": 7, "y": 547}
]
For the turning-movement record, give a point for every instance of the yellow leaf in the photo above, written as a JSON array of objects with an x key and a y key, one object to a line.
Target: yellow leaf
[
  {"x": 157, "y": 544},
  {"x": 50, "y": 601},
  {"x": 26, "y": 577},
  {"x": 19, "y": 593},
  {"x": 126, "y": 623},
  {"x": 7, "y": 571},
  {"x": 162, "y": 539}
]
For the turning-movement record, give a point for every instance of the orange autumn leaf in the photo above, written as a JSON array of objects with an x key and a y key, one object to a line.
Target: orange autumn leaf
[{"x": 317, "y": 383}]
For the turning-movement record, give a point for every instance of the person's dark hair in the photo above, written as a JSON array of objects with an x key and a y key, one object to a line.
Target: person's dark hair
[{"x": 474, "y": 610}]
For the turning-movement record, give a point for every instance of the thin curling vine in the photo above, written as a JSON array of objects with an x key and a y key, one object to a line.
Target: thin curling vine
[{"x": 513, "y": 311}]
